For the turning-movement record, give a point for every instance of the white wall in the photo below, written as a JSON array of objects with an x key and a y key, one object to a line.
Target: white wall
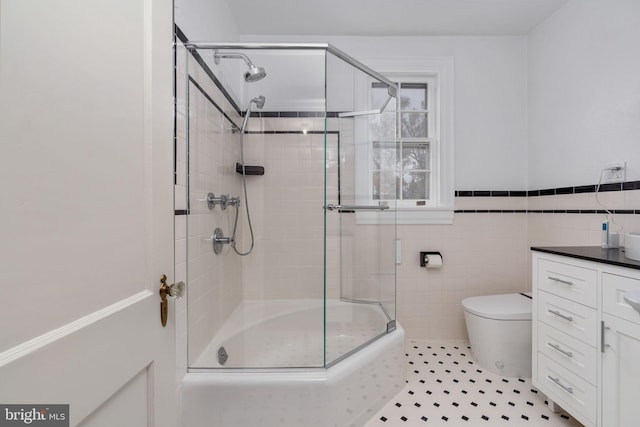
[
  {"x": 584, "y": 112},
  {"x": 584, "y": 93},
  {"x": 490, "y": 99},
  {"x": 206, "y": 20}
]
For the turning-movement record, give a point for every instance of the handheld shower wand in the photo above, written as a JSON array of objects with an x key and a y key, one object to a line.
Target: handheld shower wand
[{"x": 259, "y": 101}]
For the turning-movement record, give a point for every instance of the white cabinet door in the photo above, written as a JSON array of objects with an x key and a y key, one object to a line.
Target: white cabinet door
[
  {"x": 620, "y": 373},
  {"x": 86, "y": 226}
]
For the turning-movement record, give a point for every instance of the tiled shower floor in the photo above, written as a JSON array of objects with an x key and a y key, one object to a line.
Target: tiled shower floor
[{"x": 446, "y": 388}]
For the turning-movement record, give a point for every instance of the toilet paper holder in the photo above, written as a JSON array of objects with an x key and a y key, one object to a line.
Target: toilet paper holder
[{"x": 424, "y": 259}]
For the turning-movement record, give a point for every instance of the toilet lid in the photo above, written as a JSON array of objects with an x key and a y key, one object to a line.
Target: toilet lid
[{"x": 500, "y": 307}]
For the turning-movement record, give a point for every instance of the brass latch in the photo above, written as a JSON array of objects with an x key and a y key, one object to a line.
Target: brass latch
[{"x": 175, "y": 290}]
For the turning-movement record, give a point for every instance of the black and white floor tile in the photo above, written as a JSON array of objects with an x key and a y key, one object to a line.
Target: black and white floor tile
[{"x": 446, "y": 388}]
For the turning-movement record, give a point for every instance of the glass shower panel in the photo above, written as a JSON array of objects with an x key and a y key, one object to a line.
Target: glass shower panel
[
  {"x": 264, "y": 309},
  {"x": 361, "y": 230}
]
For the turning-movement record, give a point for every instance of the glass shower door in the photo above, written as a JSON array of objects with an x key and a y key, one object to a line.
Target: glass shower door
[{"x": 361, "y": 210}]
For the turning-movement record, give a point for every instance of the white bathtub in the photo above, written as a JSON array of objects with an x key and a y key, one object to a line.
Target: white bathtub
[{"x": 267, "y": 334}]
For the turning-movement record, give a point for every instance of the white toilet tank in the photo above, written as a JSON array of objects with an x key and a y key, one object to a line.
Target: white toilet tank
[{"x": 499, "y": 329}]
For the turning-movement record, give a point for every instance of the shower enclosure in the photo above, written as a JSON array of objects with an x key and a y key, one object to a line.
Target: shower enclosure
[{"x": 288, "y": 157}]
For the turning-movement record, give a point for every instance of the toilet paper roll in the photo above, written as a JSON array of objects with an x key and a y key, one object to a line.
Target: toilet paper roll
[{"x": 433, "y": 261}]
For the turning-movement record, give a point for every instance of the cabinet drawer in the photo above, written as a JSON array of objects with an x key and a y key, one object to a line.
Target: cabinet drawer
[
  {"x": 568, "y": 281},
  {"x": 613, "y": 290},
  {"x": 569, "y": 317},
  {"x": 573, "y": 354},
  {"x": 567, "y": 389}
]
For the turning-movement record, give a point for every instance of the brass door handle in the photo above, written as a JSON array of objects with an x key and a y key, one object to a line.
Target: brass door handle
[{"x": 175, "y": 290}]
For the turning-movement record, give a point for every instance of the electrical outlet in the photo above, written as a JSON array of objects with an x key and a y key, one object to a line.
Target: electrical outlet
[{"x": 615, "y": 172}]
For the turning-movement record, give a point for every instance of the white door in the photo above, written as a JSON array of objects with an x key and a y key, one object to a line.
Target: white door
[
  {"x": 620, "y": 372},
  {"x": 86, "y": 227}
]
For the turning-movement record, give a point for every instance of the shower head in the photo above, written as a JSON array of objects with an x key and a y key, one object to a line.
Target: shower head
[{"x": 253, "y": 74}]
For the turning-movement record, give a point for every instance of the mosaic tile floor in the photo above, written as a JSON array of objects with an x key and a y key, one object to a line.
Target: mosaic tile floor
[{"x": 446, "y": 388}]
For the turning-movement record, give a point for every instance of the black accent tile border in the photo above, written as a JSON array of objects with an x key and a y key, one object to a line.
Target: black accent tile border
[
  {"x": 619, "y": 186},
  {"x": 207, "y": 70},
  {"x": 491, "y": 211},
  {"x": 632, "y": 185},
  {"x": 553, "y": 211},
  {"x": 564, "y": 190},
  {"x": 206, "y": 95},
  {"x": 611, "y": 187},
  {"x": 491, "y": 193},
  {"x": 585, "y": 189}
]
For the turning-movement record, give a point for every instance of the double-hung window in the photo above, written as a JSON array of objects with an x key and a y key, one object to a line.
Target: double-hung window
[
  {"x": 416, "y": 167},
  {"x": 402, "y": 169}
]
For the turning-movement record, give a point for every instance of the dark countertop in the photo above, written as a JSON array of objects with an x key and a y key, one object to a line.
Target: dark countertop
[{"x": 592, "y": 253}]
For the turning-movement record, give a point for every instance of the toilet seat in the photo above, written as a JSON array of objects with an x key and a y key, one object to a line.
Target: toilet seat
[{"x": 499, "y": 307}]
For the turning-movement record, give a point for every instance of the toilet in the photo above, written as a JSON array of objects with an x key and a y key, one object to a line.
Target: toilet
[{"x": 499, "y": 329}]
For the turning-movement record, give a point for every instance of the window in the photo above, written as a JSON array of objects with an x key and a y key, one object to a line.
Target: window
[
  {"x": 401, "y": 169},
  {"x": 415, "y": 169}
]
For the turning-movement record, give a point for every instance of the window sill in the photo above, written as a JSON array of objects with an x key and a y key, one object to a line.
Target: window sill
[{"x": 407, "y": 216}]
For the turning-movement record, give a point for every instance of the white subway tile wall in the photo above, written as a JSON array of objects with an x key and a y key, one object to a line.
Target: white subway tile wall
[
  {"x": 215, "y": 281},
  {"x": 483, "y": 253},
  {"x": 287, "y": 213},
  {"x": 580, "y": 229}
]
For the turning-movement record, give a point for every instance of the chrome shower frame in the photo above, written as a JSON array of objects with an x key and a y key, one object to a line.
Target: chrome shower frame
[{"x": 393, "y": 88}]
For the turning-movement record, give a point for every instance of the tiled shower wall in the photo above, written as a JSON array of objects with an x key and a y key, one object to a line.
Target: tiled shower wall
[
  {"x": 287, "y": 210},
  {"x": 214, "y": 281},
  {"x": 289, "y": 220}
]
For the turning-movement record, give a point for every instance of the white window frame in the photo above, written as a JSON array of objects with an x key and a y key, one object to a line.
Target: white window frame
[{"x": 438, "y": 73}]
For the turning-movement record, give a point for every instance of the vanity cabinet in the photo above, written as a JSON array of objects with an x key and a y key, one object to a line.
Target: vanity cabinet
[
  {"x": 621, "y": 352},
  {"x": 586, "y": 337}
]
